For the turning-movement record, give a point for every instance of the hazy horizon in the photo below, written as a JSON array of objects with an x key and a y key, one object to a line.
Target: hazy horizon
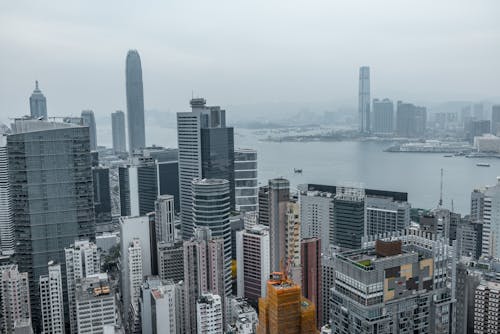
[{"x": 254, "y": 53}]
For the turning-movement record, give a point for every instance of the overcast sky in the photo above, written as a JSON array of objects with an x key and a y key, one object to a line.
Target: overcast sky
[{"x": 243, "y": 52}]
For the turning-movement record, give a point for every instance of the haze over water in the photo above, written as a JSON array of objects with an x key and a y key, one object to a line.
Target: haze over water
[{"x": 332, "y": 163}]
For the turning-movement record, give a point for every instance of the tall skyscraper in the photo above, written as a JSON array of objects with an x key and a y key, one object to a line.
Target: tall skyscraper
[
  {"x": 252, "y": 258},
  {"x": 206, "y": 150},
  {"x": 135, "y": 102},
  {"x": 264, "y": 205},
  {"x": 6, "y": 213},
  {"x": 164, "y": 215},
  {"x": 211, "y": 208},
  {"x": 364, "y": 99},
  {"x": 402, "y": 277},
  {"x": 38, "y": 104},
  {"x": 51, "y": 185},
  {"x": 279, "y": 195},
  {"x": 245, "y": 180},
  {"x": 495, "y": 119},
  {"x": 316, "y": 215},
  {"x": 284, "y": 310},
  {"x": 14, "y": 298},
  {"x": 209, "y": 314},
  {"x": 164, "y": 309},
  {"x": 133, "y": 228},
  {"x": 118, "y": 132},
  {"x": 310, "y": 256},
  {"x": 82, "y": 260},
  {"x": 411, "y": 120},
  {"x": 102, "y": 199},
  {"x": 51, "y": 300},
  {"x": 349, "y": 217},
  {"x": 203, "y": 272},
  {"x": 88, "y": 119},
  {"x": 383, "y": 116}
]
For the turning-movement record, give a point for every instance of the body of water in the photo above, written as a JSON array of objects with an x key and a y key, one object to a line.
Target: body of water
[{"x": 333, "y": 163}]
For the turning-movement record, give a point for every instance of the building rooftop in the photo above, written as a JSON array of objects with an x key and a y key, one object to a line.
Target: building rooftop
[{"x": 92, "y": 287}]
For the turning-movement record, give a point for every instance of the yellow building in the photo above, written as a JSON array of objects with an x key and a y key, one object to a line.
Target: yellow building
[{"x": 284, "y": 310}]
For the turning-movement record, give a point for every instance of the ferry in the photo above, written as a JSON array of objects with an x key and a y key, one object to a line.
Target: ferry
[
  {"x": 483, "y": 164},
  {"x": 297, "y": 170}
]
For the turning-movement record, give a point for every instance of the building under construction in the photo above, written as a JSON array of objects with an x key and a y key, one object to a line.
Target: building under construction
[{"x": 284, "y": 310}]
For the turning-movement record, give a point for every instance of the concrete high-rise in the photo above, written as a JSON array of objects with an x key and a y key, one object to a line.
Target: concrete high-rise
[
  {"x": 495, "y": 119},
  {"x": 164, "y": 309},
  {"x": 383, "y": 117},
  {"x": 6, "y": 213},
  {"x": 252, "y": 258},
  {"x": 51, "y": 186},
  {"x": 487, "y": 308},
  {"x": 211, "y": 208},
  {"x": 279, "y": 196},
  {"x": 38, "y": 104},
  {"x": 264, "y": 205},
  {"x": 14, "y": 298},
  {"x": 316, "y": 215},
  {"x": 203, "y": 272},
  {"x": 170, "y": 260},
  {"x": 364, "y": 100},
  {"x": 349, "y": 213},
  {"x": 51, "y": 300},
  {"x": 95, "y": 304},
  {"x": 164, "y": 215},
  {"x": 118, "y": 132},
  {"x": 82, "y": 260},
  {"x": 206, "y": 150},
  {"x": 245, "y": 180},
  {"x": 384, "y": 214},
  {"x": 284, "y": 310},
  {"x": 102, "y": 199},
  {"x": 135, "y": 102},
  {"x": 411, "y": 120},
  {"x": 310, "y": 256},
  {"x": 399, "y": 282},
  {"x": 88, "y": 119},
  {"x": 133, "y": 228},
  {"x": 209, "y": 314}
]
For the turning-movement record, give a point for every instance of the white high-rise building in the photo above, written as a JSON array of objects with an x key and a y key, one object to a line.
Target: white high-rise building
[
  {"x": 135, "y": 273},
  {"x": 6, "y": 213},
  {"x": 14, "y": 298},
  {"x": 245, "y": 180},
  {"x": 51, "y": 300},
  {"x": 164, "y": 308},
  {"x": 95, "y": 304},
  {"x": 316, "y": 216},
  {"x": 82, "y": 260},
  {"x": 165, "y": 223},
  {"x": 209, "y": 314},
  {"x": 485, "y": 206},
  {"x": 364, "y": 99},
  {"x": 133, "y": 228},
  {"x": 252, "y": 257}
]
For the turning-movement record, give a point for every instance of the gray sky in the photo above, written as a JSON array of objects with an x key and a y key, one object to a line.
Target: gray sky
[{"x": 243, "y": 52}]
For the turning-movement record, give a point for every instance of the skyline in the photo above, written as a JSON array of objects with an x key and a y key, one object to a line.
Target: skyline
[{"x": 433, "y": 57}]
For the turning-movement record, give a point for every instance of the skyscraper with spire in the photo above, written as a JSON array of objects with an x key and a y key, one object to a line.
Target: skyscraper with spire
[
  {"x": 38, "y": 103},
  {"x": 135, "y": 102},
  {"x": 364, "y": 99}
]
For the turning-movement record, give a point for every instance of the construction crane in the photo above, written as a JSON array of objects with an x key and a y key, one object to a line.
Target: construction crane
[{"x": 441, "y": 191}]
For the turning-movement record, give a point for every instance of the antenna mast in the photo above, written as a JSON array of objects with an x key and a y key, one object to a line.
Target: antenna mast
[{"x": 441, "y": 190}]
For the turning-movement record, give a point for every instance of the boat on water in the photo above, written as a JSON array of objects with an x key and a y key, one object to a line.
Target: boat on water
[
  {"x": 297, "y": 170},
  {"x": 483, "y": 164},
  {"x": 448, "y": 155}
]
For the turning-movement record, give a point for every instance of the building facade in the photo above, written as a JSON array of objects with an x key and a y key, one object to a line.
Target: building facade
[
  {"x": 51, "y": 300},
  {"x": 118, "y": 132},
  {"x": 14, "y": 298},
  {"x": 349, "y": 212},
  {"x": 383, "y": 117},
  {"x": 6, "y": 212},
  {"x": 364, "y": 100},
  {"x": 245, "y": 180},
  {"x": 411, "y": 120},
  {"x": 88, "y": 119},
  {"x": 279, "y": 196},
  {"x": 135, "y": 102},
  {"x": 209, "y": 314}
]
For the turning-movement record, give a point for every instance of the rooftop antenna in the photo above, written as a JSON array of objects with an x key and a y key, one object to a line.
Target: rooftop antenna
[{"x": 441, "y": 190}]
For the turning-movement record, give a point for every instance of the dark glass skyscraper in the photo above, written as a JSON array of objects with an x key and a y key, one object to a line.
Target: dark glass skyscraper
[
  {"x": 349, "y": 217},
  {"x": 38, "y": 104},
  {"x": 51, "y": 185},
  {"x": 135, "y": 102},
  {"x": 118, "y": 130}
]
